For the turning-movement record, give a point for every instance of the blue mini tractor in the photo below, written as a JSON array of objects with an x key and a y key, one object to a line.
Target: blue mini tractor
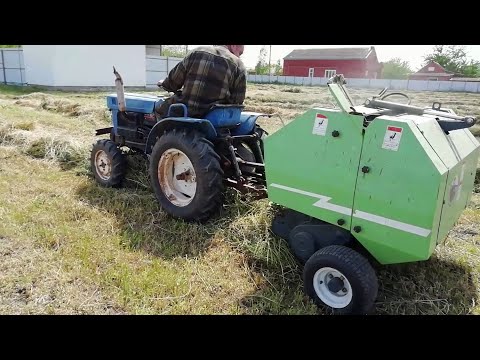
[{"x": 190, "y": 159}]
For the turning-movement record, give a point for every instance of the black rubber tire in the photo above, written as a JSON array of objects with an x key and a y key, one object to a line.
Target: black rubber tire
[
  {"x": 245, "y": 152},
  {"x": 118, "y": 163},
  {"x": 354, "y": 267},
  {"x": 208, "y": 197}
]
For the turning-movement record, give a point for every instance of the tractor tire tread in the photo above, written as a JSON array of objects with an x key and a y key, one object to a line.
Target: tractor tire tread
[{"x": 207, "y": 165}]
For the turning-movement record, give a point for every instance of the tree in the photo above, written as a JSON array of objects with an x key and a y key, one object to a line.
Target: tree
[
  {"x": 174, "y": 50},
  {"x": 453, "y": 58},
  {"x": 277, "y": 68},
  {"x": 396, "y": 69},
  {"x": 262, "y": 67},
  {"x": 10, "y": 46}
]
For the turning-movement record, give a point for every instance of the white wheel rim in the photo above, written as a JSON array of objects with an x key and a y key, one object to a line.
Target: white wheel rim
[
  {"x": 177, "y": 177},
  {"x": 321, "y": 281},
  {"x": 103, "y": 165}
]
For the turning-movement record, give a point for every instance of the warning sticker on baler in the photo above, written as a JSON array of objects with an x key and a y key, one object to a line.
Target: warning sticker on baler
[
  {"x": 391, "y": 141},
  {"x": 320, "y": 125}
]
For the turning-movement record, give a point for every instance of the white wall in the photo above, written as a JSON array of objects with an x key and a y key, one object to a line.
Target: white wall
[
  {"x": 38, "y": 61},
  {"x": 84, "y": 65}
]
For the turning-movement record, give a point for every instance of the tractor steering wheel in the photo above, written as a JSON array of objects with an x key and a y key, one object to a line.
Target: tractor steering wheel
[{"x": 397, "y": 93}]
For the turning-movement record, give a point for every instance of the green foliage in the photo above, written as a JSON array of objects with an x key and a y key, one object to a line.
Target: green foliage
[
  {"x": 396, "y": 69},
  {"x": 262, "y": 67},
  {"x": 453, "y": 58},
  {"x": 174, "y": 50},
  {"x": 277, "y": 68},
  {"x": 10, "y": 46}
]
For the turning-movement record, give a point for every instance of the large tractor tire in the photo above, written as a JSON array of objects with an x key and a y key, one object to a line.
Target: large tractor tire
[
  {"x": 186, "y": 175},
  {"x": 108, "y": 163},
  {"x": 245, "y": 153},
  {"x": 341, "y": 280}
]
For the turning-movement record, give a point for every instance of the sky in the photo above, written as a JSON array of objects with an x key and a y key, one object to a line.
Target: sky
[{"x": 412, "y": 53}]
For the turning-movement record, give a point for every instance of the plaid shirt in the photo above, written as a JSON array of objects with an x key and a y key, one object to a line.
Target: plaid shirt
[{"x": 209, "y": 75}]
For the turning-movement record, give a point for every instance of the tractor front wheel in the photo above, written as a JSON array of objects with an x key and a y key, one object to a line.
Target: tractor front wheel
[
  {"x": 108, "y": 163},
  {"x": 342, "y": 280},
  {"x": 186, "y": 175}
]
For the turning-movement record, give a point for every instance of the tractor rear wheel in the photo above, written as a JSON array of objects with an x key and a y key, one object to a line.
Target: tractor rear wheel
[
  {"x": 340, "y": 279},
  {"x": 108, "y": 163},
  {"x": 186, "y": 175},
  {"x": 245, "y": 153}
]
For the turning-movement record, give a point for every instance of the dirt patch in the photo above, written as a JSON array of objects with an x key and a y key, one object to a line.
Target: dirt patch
[
  {"x": 261, "y": 109},
  {"x": 292, "y": 90}
]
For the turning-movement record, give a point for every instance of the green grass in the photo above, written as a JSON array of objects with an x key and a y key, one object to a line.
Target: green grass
[
  {"x": 68, "y": 246},
  {"x": 18, "y": 90}
]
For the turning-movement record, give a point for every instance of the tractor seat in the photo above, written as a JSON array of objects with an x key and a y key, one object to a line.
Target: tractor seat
[{"x": 225, "y": 115}]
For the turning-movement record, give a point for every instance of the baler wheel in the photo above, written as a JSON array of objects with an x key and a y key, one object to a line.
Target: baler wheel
[{"x": 340, "y": 279}]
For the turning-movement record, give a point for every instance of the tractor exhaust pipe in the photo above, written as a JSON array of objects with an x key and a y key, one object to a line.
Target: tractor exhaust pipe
[{"x": 120, "y": 91}]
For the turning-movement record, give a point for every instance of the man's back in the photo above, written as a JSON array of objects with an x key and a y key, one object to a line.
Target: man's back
[{"x": 209, "y": 75}]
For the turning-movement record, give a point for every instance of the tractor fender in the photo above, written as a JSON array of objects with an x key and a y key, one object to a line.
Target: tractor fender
[
  {"x": 247, "y": 122},
  {"x": 163, "y": 125}
]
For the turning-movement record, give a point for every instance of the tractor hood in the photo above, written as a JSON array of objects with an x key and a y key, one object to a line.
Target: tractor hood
[{"x": 142, "y": 103}]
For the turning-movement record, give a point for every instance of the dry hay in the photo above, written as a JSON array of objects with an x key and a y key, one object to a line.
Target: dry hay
[{"x": 62, "y": 105}]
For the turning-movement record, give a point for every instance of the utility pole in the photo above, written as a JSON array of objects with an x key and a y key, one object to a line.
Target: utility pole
[
  {"x": 186, "y": 49},
  {"x": 269, "y": 60}
]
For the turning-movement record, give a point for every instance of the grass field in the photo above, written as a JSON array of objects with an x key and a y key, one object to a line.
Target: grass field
[{"x": 68, "y": 246}]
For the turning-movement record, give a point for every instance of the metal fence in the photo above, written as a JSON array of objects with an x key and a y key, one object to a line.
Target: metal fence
[
  {"x": 12, "y": 67},
  {"x": 12, "y": 71},
  {"x": 413, "y": 85},
  {"x": 158, "y": 67}
]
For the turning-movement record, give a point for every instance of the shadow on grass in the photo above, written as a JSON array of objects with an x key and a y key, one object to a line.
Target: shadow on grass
[
  {"x": 143, "y": 224},
  {"x": 433, "y": 287},
  {"x": 280, "y": 294}
]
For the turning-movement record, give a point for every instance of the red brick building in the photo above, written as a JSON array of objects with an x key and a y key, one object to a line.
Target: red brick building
[
  {"x": 351, "y": 62},
  {"x": 432, "y": 71}
]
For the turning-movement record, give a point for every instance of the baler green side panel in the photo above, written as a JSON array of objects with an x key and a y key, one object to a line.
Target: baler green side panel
[
  {"x": 476, "y": 143},
  {"x": 397, "y": 203},
  {"x": 310, "y": 170},
  {"x": 459, "y": 152},
  {"x": 460, "y": 181},
  {"x": 439, "y": 142}
]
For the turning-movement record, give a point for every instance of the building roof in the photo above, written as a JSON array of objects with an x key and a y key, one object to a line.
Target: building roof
[
  {"x": 424, "y": 70},
  {"x": 330, "y": 54}
]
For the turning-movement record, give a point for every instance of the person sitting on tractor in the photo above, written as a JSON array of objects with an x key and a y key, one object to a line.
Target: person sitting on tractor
[{"x": 209, "y": 75}]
